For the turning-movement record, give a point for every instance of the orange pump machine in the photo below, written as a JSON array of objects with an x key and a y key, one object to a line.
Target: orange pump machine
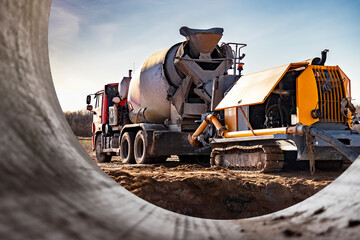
[{"x": 299, "y": 111}]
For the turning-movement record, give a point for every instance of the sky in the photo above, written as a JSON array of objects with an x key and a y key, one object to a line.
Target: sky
[{"x": 95, "y": 42}]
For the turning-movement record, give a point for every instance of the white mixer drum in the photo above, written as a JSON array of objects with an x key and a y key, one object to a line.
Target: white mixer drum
[{"x": 148, "y": 89}]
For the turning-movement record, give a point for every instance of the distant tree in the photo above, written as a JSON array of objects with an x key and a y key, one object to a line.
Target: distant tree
[{"x": 80, "y": 122}]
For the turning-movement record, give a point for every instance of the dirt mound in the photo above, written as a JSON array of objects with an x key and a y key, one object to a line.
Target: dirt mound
[
  {"x": 214, "y": 192},
  {"x": 211, "y": 192}
]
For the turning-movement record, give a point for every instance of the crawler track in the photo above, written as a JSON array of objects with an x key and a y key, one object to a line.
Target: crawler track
[{"x": 258, "y": 158}]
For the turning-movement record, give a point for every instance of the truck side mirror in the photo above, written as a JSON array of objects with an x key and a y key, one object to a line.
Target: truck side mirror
[
  {"x": 88, "y": 99},
  {"x": 89, "y": 107}
]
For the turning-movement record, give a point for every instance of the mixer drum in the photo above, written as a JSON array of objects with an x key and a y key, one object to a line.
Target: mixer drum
[
  {"x": 152, "y": 87},
  {"x": 148, "y": 91}
]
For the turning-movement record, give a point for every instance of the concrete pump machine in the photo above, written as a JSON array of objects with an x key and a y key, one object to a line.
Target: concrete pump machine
[{"x": 191, "y": 100}]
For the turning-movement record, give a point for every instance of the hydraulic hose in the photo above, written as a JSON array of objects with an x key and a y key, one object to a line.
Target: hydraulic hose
[{"x": 209, "y": 119}]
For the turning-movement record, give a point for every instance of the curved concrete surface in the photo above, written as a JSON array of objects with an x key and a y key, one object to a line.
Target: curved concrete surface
[{"x": 51, "y": 189}]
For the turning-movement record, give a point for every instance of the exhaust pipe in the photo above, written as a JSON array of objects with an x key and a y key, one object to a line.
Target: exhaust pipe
[{"x": 320, "y": 61}]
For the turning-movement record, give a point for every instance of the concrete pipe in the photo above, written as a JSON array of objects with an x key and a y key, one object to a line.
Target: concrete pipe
[{"x": 51, "y": 189}]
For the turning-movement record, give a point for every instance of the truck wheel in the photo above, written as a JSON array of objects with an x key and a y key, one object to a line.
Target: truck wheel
[
  {"x": 100, "y": 156},
  {"x": 127, "y": 147},
  {"x": 140, "y": 152}
]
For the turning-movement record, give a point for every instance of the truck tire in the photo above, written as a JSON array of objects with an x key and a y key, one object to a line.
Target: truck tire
[
  {"x": 100, "y": 156},
  {"x": 140, "y": 149},
  {"x": 127, "y": 148}
]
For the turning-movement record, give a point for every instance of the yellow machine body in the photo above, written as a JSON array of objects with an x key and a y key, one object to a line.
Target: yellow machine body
[
  {"x": 317, "y": 88},
  {"x": 276, "y": 117},
  {"x": 279, "y": 116},
  {"x": 311, "y": 94}
]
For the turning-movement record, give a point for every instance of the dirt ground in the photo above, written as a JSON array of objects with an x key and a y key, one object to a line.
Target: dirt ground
[{"x": 212, "y": 192}]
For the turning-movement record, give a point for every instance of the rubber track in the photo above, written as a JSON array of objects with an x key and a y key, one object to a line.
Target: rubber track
[{"x": 274, "y": 158}]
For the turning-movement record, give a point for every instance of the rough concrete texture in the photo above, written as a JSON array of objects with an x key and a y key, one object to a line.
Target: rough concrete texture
[{"x": 51, "y": 189}]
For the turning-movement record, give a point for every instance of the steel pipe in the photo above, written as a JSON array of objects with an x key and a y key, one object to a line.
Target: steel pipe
[
  {"x": 258, "y": 132},
  {"x": 51, "y": 189}
]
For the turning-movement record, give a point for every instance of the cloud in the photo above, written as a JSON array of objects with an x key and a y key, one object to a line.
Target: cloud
[
  {"x": 104, "y": 33},
  {"x": 63, "y": 30}
]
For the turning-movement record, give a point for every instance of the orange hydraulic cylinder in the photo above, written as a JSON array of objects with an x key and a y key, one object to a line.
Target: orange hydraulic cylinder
[
  {"x": 215, "y": 121},
  {"x": 200, "y": 129},
  {"x": 209, "y": 119}
]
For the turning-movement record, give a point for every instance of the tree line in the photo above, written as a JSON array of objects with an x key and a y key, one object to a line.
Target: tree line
[{"x": 80, "y": 122}]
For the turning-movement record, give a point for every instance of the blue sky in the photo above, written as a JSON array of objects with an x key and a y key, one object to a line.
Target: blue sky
[{"x": 94, "y": 42}]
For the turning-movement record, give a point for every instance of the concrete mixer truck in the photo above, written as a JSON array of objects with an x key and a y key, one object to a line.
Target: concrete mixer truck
[{"x": 148, "y": 116}]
